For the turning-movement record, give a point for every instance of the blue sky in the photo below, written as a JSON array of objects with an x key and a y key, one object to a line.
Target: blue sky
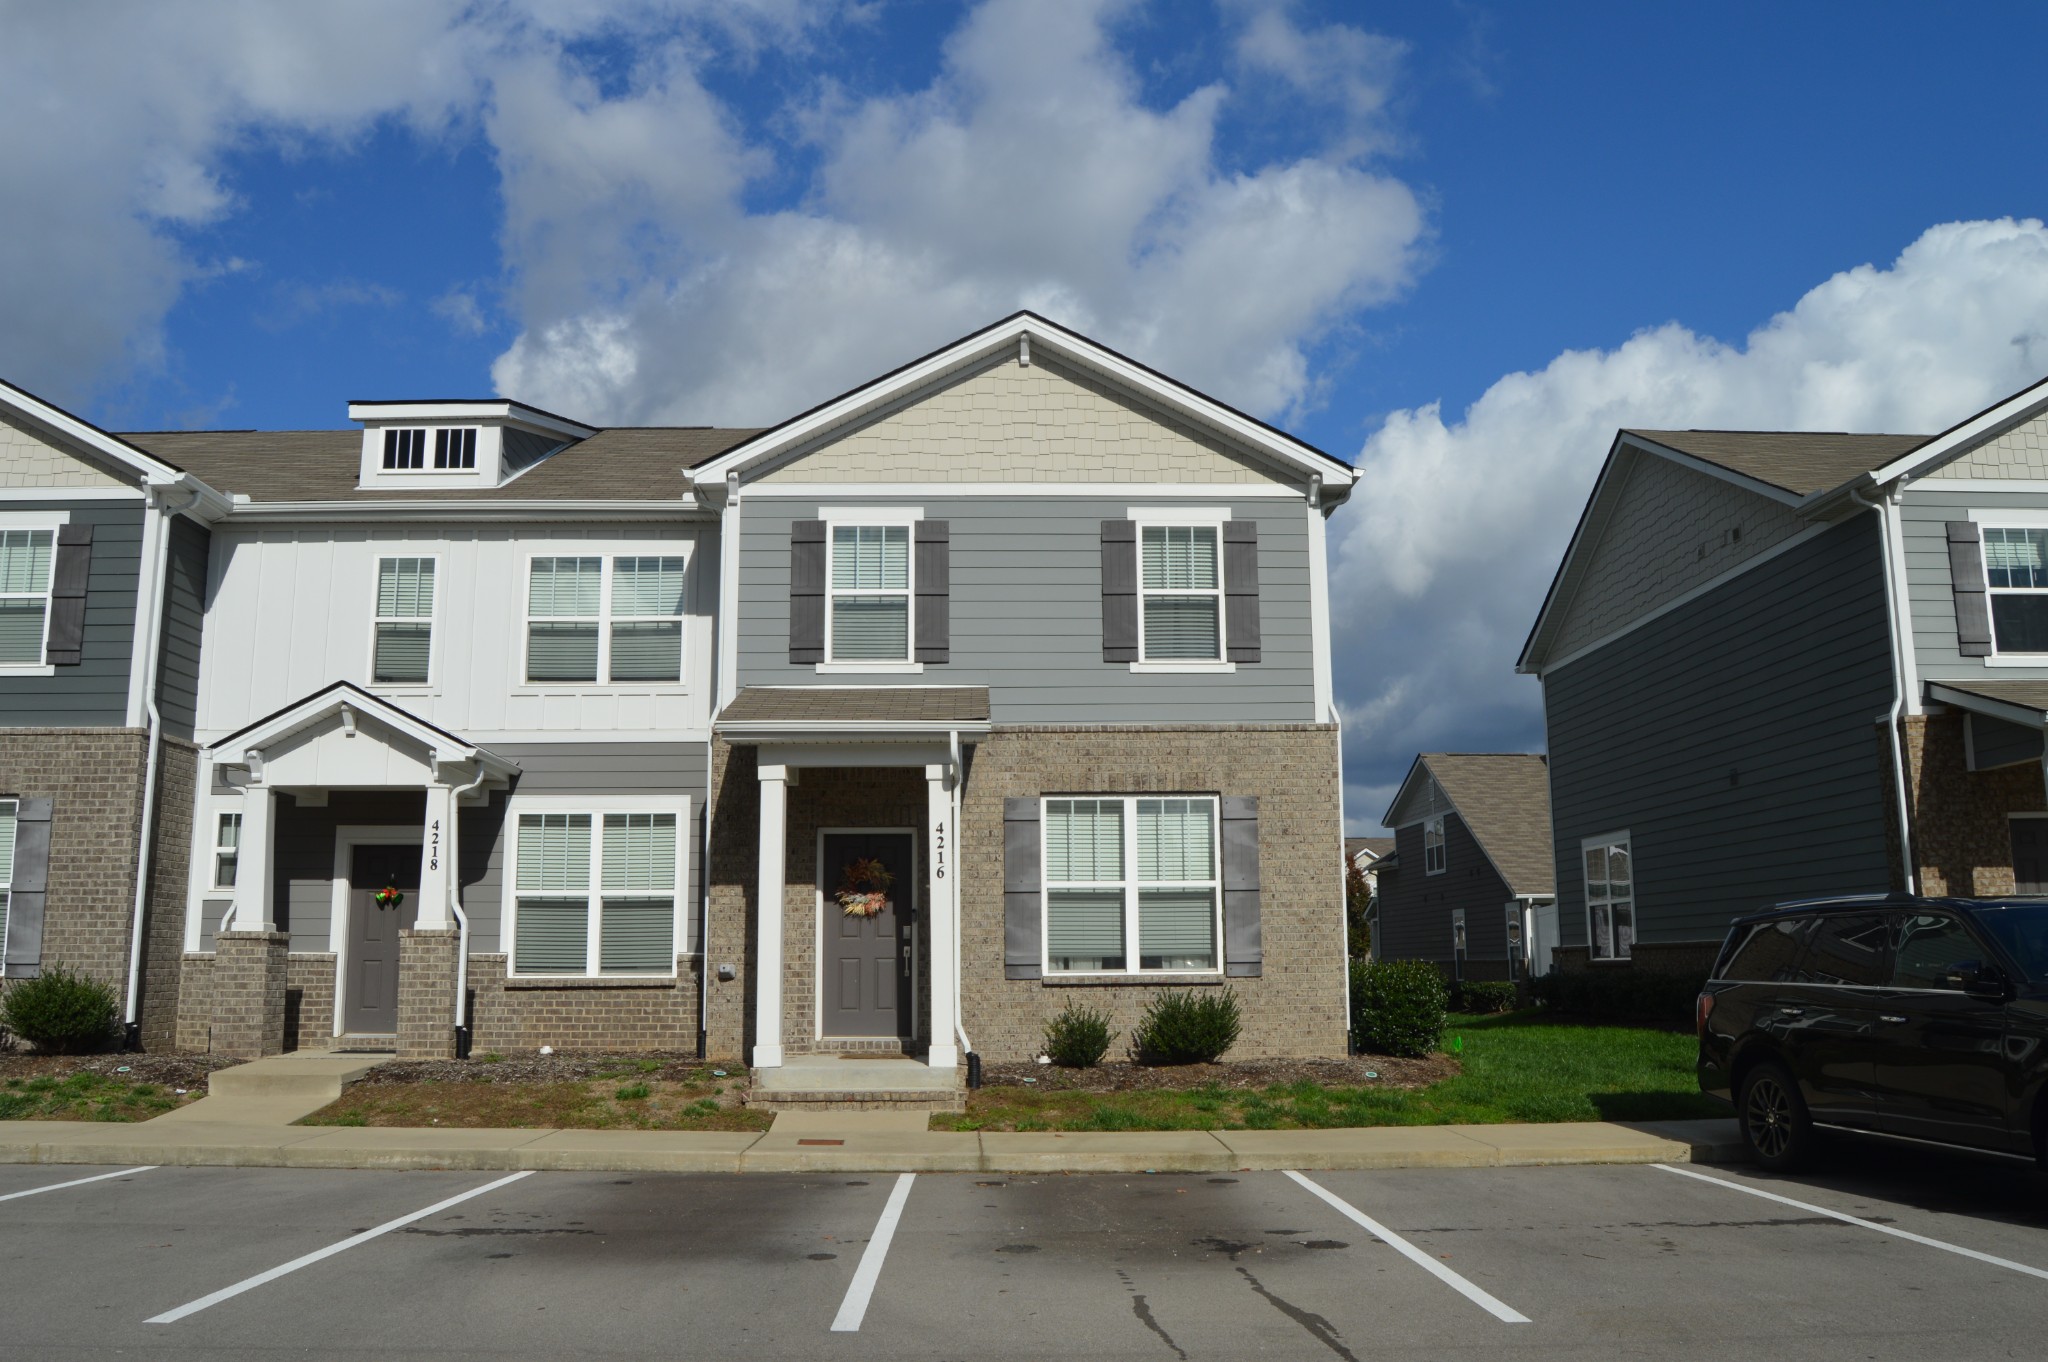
[{"x": 1336, "y": 215}]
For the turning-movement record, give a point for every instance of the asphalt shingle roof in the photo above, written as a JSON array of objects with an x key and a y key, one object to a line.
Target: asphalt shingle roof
[
  {"x": 858, "y": 704},
  {"x": 1380, "y": 847},
  {"x": 1803, "y": 462},
  {"x": 1504, "y": 798}
]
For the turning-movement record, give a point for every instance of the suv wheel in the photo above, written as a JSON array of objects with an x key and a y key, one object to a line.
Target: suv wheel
[{"x": 1776, "y": 1128}]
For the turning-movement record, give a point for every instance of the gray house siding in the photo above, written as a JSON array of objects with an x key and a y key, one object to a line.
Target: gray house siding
[
  {"x": 1924, "y": 513},
  {"x": 94, "y": 693},
  {"x": 1736, "y": 740},
  {"x": 1026, "y": 606},
  {"x": 1415, "y": 910},
  {"x": 184, "y": 613}
]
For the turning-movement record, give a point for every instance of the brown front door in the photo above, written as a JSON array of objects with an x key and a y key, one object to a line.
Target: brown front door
[
  {"x": 865, "y": 968},
  {"x": 370, "y": 1004}
]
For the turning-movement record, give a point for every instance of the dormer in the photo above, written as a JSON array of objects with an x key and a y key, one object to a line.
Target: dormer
[{"x": 444, "y": 445}]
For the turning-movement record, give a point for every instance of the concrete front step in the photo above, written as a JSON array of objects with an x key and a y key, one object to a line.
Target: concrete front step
[
  {"x": 864, "y": 1083},
  {"x": 306, "y": 1075},
  {"x": 859, "y": 1099}
]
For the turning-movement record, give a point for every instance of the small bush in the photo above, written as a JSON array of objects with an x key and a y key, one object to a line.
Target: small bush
[
  {"x": 633, "y": 1092},
  {"x": 1398, "y": 1007},
  {"x": 1484, "y": 995},
  {"x": 60, "y": 1012},
  {"x": 1078, "y": 1037},
  {"x": 1181, "y": 1027},
  {"x": 1625, "y": 994}
]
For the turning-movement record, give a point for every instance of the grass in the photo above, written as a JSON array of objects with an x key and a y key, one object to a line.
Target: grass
[
  {"x": 84, "y": 1097},
  {"x": 1516, "y": 1067},
  {"x": 602, "y": 1103}
]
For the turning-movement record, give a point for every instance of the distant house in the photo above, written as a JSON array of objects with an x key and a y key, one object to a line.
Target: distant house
[
  {"x": 1366, "y": 854},
  {"x": 1470, "y": 886}
]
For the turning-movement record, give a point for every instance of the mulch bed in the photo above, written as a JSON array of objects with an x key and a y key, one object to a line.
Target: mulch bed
[
  {"x": 673, "y": 1066},
  {"x": 1361, "y": 1071},
  {"x": 170, "y": 1071}
]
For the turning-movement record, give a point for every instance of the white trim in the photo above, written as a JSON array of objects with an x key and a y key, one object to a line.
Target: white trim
[
  {"x": 441, "y": 746},
  {"x": 1319, "y": 611},
  {"x": 217, "y": 850},
  {"x": 1144, "y": 518},
  {"x": 1190, "y": 665},
  {"x": 34, "y": 520},
  {"x": 1130, "y": 886},
  {"x": 1607, "y": 841},
  {"x": 1956, "y": 438},
  {"x": 863, "y": 668},
  {"x": 2001, "y": 519},
  {"x": 1434, "y": 825},
  {"x": 13, "y": 810},
  {"x": 1936, "y": 483},
  {"x": 906, "y": 519},
  {"x": 380, "y": 512},
  {"x": 943, "y": 491},
  {"x": 598, "y": 806},
  {"x": 870, "y": 515},
  {"x": 125, "y": 456},
  {"x": 2013, "y": 518},
  {"x": 1892, "y": 530},
  {"x": 727, "y": 684},
  {"x": 462, "y": 411},
  {"x": 71, "y": 494},
  {"x": 914, "y": 935},
  {"x": 347, "y": 837},
  {"x": 49, "y": 522},
  {"x": 1211, "y": 516},
  {"x": 431, "y": 684}
]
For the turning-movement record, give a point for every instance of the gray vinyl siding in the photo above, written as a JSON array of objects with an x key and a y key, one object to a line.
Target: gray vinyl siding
[
  {"x": 1026, "y": 606},
  {"x": 1996, "y": 743},
  {"x": 1415, "y": 909},
  {"x": 94, "y": 693},
  {"x": 302, "y": 858},
  {"x": 1736, "y": 740},
  {"x": 1923, "y": 513},
  {"x": 184, "y": 613}
]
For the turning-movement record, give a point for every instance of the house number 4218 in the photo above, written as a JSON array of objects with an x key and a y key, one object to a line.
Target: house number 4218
[{"x": 434, "y": 845}]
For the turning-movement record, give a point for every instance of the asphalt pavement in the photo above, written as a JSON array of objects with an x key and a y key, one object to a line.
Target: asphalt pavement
[{"x": 1887, "y": 1254}]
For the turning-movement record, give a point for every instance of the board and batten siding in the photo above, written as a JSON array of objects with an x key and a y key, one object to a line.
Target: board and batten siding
[
  {"x": 1924, "y": 513},
  {"x": 1026, "y": 607},
  {"x": 1415, "y": 909},
  {"x": 1737, "y": 740},
  {"x": 94, "y": 693}
]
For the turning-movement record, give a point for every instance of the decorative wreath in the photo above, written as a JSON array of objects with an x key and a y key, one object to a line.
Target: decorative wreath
[
  {"x": 390, "y": 896},
  {"x": 864, "y": 887}
]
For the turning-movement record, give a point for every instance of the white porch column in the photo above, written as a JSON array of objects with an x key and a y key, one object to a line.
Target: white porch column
[
  {"x": 254, "y": 911},
  {"x": 942, "y": 857},
  {"x": 768, "y": 960},
  {"x": 437, "y": 839}
]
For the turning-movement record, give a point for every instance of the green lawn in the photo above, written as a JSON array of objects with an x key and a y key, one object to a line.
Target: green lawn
[
  {"x": 84, "y": 1097},
  {"x": 1517, "y": 1067}
]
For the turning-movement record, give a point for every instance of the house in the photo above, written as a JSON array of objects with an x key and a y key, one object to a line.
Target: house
[
  {"x": 1778, "y": 664},
  {"x": 1364, "y": 855},
  {"x": 996, "y": 684},
  {"x": 1470, "y": 887}
]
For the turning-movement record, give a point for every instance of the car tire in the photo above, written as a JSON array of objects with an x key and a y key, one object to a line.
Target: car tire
[{"x": 1776, "y": 1128}]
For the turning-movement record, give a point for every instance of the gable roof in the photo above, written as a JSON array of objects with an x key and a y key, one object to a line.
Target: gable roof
[
  {"x": 1800, "y": 462},
  {"x": 1379, "y": 848},
  {"x": 1031, "y": 330},
  {"x": 1504, "y": 800},
  {"x": 346, "y": 695},
  {"x": 125, "y": 457}
]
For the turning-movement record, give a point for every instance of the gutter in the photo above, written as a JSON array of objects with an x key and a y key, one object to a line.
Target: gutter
[
  {"x": 462, "y": 1037},
  {"x": 967, "y": 1055},
  {"x": 244, "y": 510},
  {"x": 1890, "y": 719}
]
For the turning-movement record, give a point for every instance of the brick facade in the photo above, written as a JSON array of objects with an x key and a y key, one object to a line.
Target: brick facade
[
  {"x": 195, "y": 1003},
  {"x": 309, "y": 1000},
  {"x": 583, "y": 1014},
  {"x": 426, "y": 992},
  {"x": 1962, "y": 843},
  {"x": 248, "y": 994}
]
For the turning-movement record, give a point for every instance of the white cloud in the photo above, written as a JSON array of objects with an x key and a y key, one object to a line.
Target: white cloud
[{"x": 1441, "y": 561}]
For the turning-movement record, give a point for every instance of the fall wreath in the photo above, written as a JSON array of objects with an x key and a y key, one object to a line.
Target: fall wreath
[{"x": 864, "y": 887}]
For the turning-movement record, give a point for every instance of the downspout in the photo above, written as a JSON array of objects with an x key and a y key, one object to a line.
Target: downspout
[
  {"x": 1891, "y": 718},
  {"x": 462, "y": 1037},
  {"x": 157, "y": 528},
  {"x": 972, "y": 1060},
  {"x": 704, "y": 916}
]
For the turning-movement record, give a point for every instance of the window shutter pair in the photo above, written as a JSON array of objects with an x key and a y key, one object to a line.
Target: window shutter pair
[
  {"x": 1120, "y": 591},
  {"x": 931, "y": 581},
  {"x": 67, "y": 596},
  {"x": 30, "y": 881},
  {"x": 1024, "y": 898},
  {"x": 1966, "y": 578}
]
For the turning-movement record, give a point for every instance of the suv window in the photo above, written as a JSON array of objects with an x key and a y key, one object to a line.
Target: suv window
[
  {"x": 1769, "y": 952},
  {"x": 1927, "y": 947},
  {"x": 1848, "y": 948}
]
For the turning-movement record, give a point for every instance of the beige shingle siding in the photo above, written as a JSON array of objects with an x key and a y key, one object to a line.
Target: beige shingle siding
[
  {"x": 27, "y": 459},
  {"x": 2019, "y": 454}
]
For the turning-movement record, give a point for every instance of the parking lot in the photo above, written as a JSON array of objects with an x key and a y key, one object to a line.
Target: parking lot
[{"x": 1583, "y": 1262}]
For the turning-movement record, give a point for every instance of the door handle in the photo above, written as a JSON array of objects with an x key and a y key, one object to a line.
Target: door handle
[
  {"x": 1791, "y": 1011},
  {"x": 906, "y": 962},
  {"x": 1891, "y": 1017}
]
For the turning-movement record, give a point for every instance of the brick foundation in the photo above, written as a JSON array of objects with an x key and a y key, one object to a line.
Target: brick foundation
[
  {"x": 426, "y": 993},
  {"x": 195, "y": 1003},
  {"x": 583, "y": 1014},
  {"x": 309, "y": 1001},
  {"x": 248, "y": 994}
]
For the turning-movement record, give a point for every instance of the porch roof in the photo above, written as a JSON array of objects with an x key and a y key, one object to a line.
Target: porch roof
[
  {"x": 347, "y": 700},
  {"x": 859, "y": 712},
  {"x": 2018, "y": 702}
]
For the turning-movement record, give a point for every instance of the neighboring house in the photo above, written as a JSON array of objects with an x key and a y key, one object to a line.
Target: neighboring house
[
  {"x": 1365, "y": 855},
  {"x": 1767, "y": 655},
  {"x": 1470, "y": 887},
  {"x": 517, "y": 729}
]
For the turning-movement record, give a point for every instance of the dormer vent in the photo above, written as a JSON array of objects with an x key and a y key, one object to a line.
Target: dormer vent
[
  {"x": 455, "y": 448},
  {"x": 473, "y": 443},
  {"x": 405, "y": 448}
]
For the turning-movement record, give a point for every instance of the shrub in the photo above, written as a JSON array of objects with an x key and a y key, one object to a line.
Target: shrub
[
  {"x": 1181, "y": 1027},
  {"x": 1398, "y": 1007},
  {"x": 60, "y": 1011},
  {"x": 1484, "y": 995},
  {"x": 1621, "y": 994},
  {"x": 1078, "y": 1037}
]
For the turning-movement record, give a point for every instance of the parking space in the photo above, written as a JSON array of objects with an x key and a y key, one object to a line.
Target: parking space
[{"x": 1599, "y": 1262}]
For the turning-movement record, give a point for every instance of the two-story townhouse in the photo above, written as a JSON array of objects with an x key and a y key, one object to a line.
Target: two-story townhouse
[
  {"x": 102, "y": 575},
  {"x": 1000, "y": 681},
  {"x": 1779, "y": 664}
]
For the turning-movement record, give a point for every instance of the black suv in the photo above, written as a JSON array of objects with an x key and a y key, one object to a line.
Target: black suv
[{"x": 1919, "y": 1018}]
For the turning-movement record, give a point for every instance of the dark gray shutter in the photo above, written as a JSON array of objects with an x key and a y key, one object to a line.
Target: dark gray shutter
[
  {"x": 67, "y": 595},
  {"x": 1243, "y": 954},
  {"x": 1241, "y": 589},
  {"x": 1119, "y": 591},
  {"x": 806, "y": 591},
  {"x": 933, "y": 581},
  {"x": 1023, "y": 916},
  {"x": 1966, "y": 577},
  {"x": 31, "y": 885}
]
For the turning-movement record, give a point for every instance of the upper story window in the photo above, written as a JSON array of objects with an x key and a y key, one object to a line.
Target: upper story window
[
  {"x": 25, "y": 560},
  {"x": 2016, "y": 571},
  {"x": 1610, "y": 897},
  {"x": 595, "y": 620},
  {"x": 455, "y": 447},
  {"x": 405, "y": 448},
  {"x": 403, "y": 647},
  {"x": 1434, "y": 859},
  {"x": 1180, "y": 593},
  {"x": 1127, "y": 872},
  {"x": 868, "y": 596}
]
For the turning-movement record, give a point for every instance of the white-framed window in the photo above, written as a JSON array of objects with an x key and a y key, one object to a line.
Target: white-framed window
[
  {"x": 26, "y": 559},
  {"x": 455, "y": 447},
  {"x": 596, "y": 619},
  {"x": 402, "y": 638},
  {"x": 868, "y": 599},
  {"x": 405, "y": 448},
  {"x": 8, "y": 808},
  {"x": 597, "y": 891},
  {"x": 1434, "y": 858},
  {"x": 1610, "y": 896},
  {"x": 227, "y": 849},
  {"x": 2016, "y": 572},
  {"x": 1180, "y": 593},
  {"x": 1131, "y": 884}
]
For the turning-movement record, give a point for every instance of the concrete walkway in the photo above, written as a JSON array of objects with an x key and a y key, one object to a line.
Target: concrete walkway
[{"x": 272, "y": 1092}]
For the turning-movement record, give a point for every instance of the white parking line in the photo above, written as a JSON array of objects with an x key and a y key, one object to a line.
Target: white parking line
[
  {"x": 251, "y": 1283},
  {"x": 1492, "y": 1305},
  {"x": 76, "y": 1182},
  {"x": 855, "y": 1307},
  {"x": 1865, "y": 1224}
]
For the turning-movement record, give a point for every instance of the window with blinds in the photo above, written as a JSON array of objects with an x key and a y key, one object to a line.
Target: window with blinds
[
  {"x": 1180, "y": 593},
  {"x": 1131, "y": 869},
  {"x": 595, "y": 893},
  {"x": 594, "y": 621},
  {"x": 7, "y": 811},
  {"x": 2016, "y": 572},
  {"x": 25, "y": 559},
  {"x": 868, "y": 594},
  {"x": 402, "y": 651}
]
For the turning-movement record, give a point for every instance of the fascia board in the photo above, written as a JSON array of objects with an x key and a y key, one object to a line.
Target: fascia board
[
  {"x": 1967, "y": 432},
  {"x": 2004, "y": 710},
  {"x": 851, "y": 734},
  {"x": 1415, "y": 768},
  {"x": 129, "y": 458},
  {"x": 429, "y": 410},
  {"x": 685, "y": 507}
]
